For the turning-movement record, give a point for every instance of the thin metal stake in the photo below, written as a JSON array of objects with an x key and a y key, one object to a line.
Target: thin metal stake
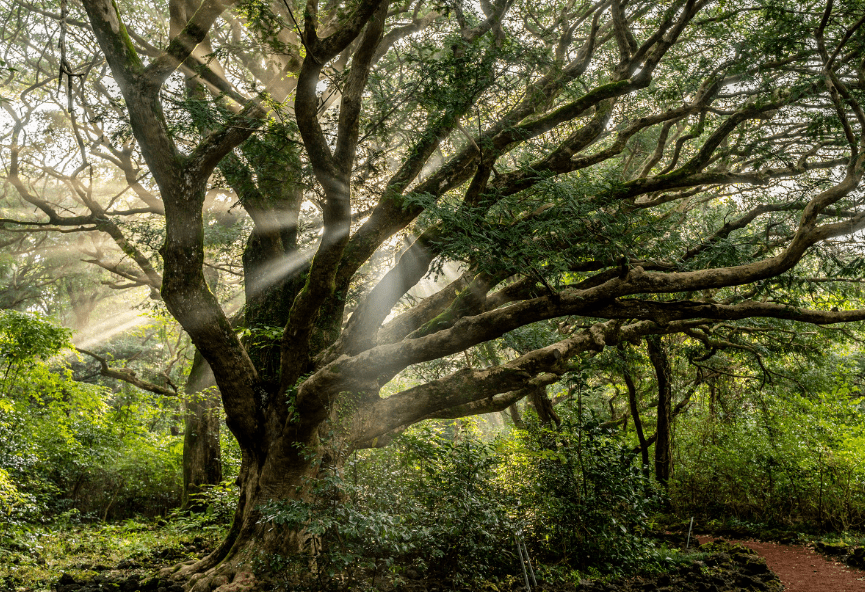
[
  {"x": 531, "y": 569},
  {"x": 522, "y": 563},
  {"x": 688, "y": 542}
]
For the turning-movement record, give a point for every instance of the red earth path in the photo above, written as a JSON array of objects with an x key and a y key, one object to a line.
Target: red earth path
[{"x": 801, "y": 569}]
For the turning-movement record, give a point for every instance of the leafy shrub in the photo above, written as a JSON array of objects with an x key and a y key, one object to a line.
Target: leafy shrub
[
  {"x": 8, "y": 493},
  {"x": 792, "y": 462},
  {"x": 447, "y": 506},
  {"x": 343, "y": 539},
  {"x": 219, "y": 502},
  {"x": 461, "y": 514},
  {"x": 70, "y": 445},
  {"x": 427, "y": 503},
  {"x": 584, "y": 502}
]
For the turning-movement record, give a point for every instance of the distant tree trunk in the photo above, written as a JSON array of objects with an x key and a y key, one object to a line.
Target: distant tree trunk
[
  {"x": 712, "y": 394},
  {"x": 661, "y": 363},
  {"x": 202, "y": 455},
  {"x": 516, "y": 417},
  {"x": 635, "y": 414},
  {"x": 82, "y": 299}
]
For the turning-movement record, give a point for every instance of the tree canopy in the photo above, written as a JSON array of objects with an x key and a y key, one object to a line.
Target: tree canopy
[{"x": 623, "y": 169}]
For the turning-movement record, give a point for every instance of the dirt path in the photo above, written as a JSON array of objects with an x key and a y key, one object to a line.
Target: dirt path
[{"x": 801, "y": 569}]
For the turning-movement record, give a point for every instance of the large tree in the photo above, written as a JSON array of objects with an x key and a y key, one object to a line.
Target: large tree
[{"x": 632, "y": 168}]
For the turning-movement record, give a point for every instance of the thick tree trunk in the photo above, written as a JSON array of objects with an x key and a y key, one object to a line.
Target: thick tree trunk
[
  {"x": 661, "y": 363},
  {"x": 286, "y": 473},
  {"x": 202, "y": 455}
]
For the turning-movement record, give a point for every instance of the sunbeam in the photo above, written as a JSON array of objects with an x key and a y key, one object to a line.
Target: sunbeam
[{"x": 107, "y": 328}]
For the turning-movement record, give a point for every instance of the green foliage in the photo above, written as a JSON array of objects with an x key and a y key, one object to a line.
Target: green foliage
[
  {"x": 464, "y": 514},
  {"x": 566, "y": 228},
  {"x": 27, "y": 338},
  {"x": 9, "y": 496},
  {"x": 39, "y": 409},
  {"x": 68, "y": 446},
  {"x": 790, "y": 460},
  {"x": 444, "y": 516},
  {"x": 584, "y": 502},
  {"x": 446, "y": 505},
  {"x": 219, "y": 502}
]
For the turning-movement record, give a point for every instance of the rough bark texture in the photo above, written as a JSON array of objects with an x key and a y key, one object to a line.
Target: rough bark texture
[{"x": 287, "y": 472}]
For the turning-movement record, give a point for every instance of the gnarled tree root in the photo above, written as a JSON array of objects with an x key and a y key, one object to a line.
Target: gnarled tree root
[
  {"x": 209, "y": 575},
  {"x": 222, "y": 580}
]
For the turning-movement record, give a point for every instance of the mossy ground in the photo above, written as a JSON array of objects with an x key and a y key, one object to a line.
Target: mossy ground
[{"x": 33, "y": 560}]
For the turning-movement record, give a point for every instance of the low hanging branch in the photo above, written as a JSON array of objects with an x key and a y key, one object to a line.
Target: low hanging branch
[{"x": 129, "y": 376}]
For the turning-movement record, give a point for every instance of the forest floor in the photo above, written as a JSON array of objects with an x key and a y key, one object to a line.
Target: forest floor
[
  {"x": 34, "y": 559},
  {"x": 715, "y": 568},
  {"x": 801, "y": 569},
  {"x": 127, "y": 556}
]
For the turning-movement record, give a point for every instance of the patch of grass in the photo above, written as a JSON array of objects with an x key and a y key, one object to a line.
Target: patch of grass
[{"x": 665, "y": 560}]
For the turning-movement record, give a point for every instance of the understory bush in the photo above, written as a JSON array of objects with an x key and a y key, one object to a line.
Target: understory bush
[
  {"x": 429, "y": 504},
  {"x": 213, "y": 508},
  {"x": 71, "y": 449},
  {"x": 792, "y": 461},
  {"x": 441, "y": 503},
  {"x": 584, "y": 502}
]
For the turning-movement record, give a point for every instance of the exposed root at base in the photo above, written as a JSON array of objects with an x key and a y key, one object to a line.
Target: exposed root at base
[
  {"x": 211, "y": 575},
  {"x": 222, "y": 580},
  {"x": 189, "y": 573}
]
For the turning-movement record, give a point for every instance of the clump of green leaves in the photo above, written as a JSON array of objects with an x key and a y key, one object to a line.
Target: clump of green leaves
[
  {"x": 777, "y": 460},
  {"x": 70, "y": 449},
  {"x": 443, "y": 517},
  {"x": 214, "y": 509},
  {"x": 443, "y": 504},
  {"x": 585, "y": 502}
]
